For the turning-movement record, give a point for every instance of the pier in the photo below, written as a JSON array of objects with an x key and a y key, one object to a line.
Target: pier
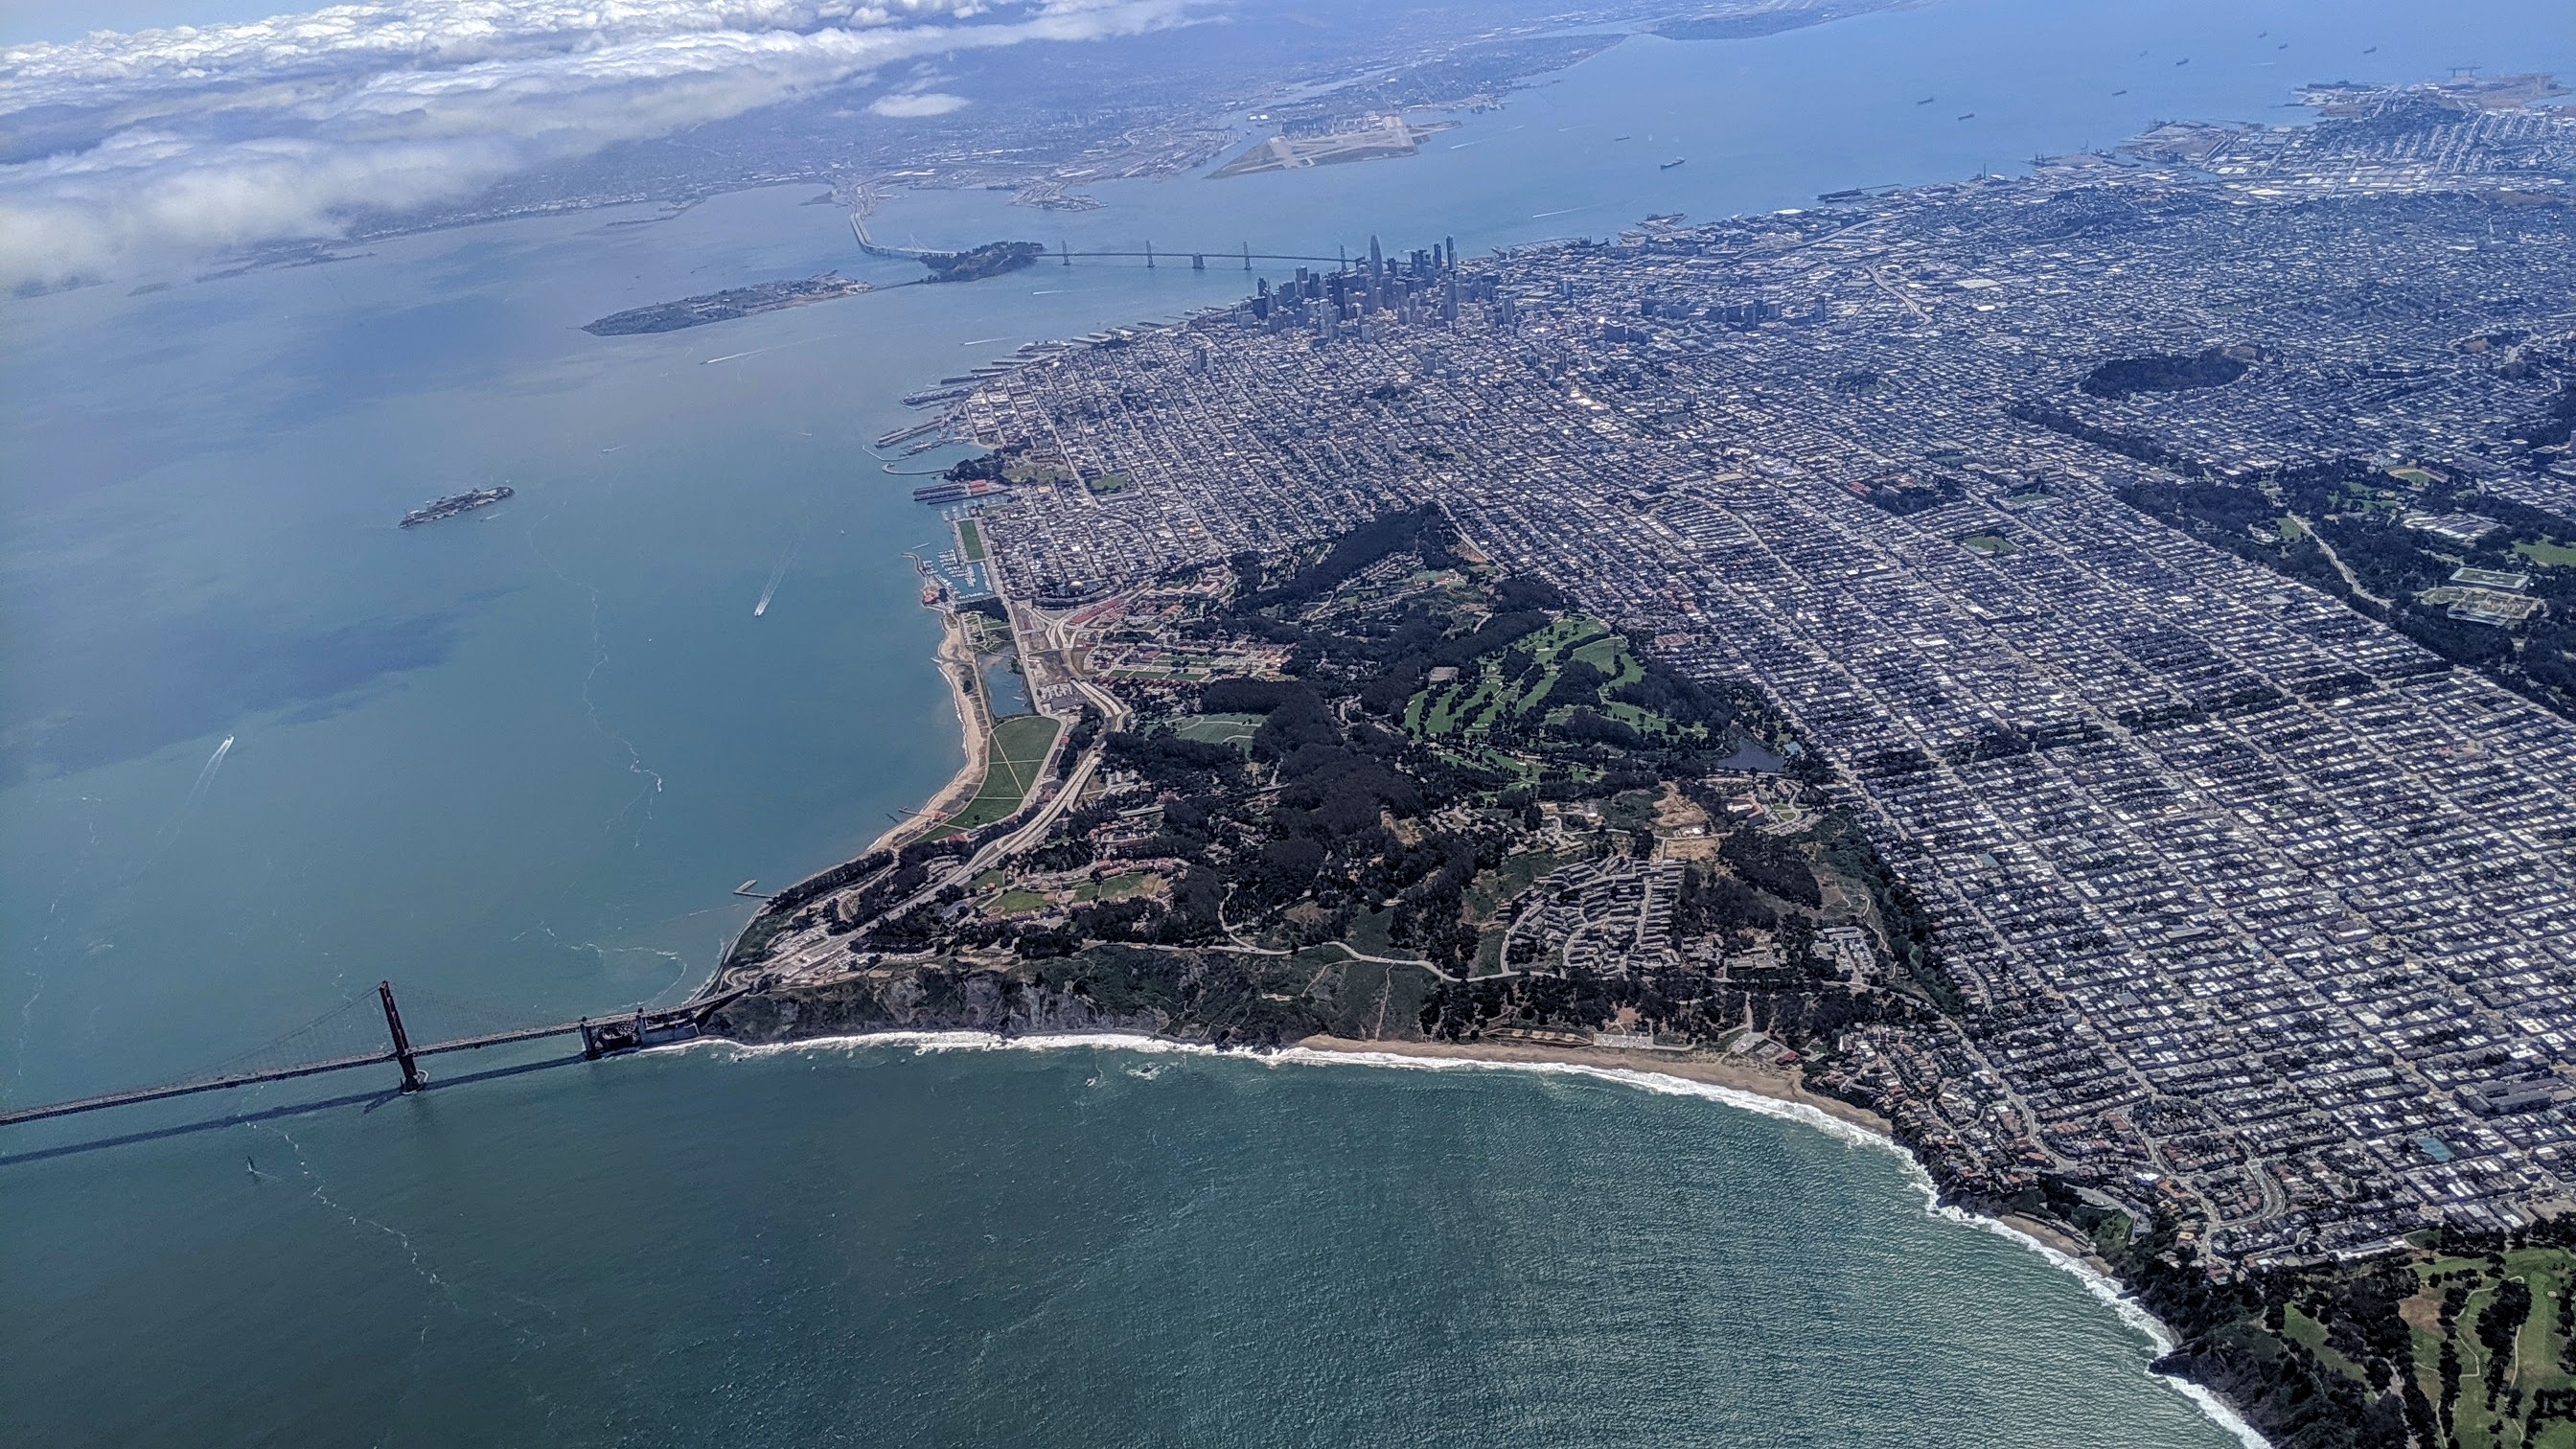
[{"x": 318, "y": 1047}]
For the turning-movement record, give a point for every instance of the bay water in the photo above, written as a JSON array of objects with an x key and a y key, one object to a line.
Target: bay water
[{"x": 260, "y": 749}]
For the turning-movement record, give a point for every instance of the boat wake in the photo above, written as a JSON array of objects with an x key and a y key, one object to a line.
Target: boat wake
[
  {"x": 206, "y": 775},
  {"x": 769, "y": 590}
]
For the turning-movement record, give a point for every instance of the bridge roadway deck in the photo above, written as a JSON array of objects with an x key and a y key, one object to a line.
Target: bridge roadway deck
[{"x": 278, "y": 1074}]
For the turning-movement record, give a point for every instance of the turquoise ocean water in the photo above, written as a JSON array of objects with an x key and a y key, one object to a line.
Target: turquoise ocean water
[{"x": 523, "y": 757}]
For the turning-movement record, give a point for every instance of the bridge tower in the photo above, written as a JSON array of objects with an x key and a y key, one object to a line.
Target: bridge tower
[
  {"x": 1149, "y": 256},
  {"x": 1066, "y": 247},
  {"x": 402, "y": 1044},
  {"x": 1247, "y": 256}
]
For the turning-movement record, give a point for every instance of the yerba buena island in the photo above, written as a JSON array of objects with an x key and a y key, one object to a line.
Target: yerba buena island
[{"x": 2079, "y": 666}]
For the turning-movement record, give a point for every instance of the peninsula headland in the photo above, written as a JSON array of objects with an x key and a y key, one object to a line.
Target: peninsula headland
[{"x": 1885, "y": 646}]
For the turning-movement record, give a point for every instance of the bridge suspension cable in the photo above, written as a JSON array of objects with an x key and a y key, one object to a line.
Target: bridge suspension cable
[{"x": 360, "y": 1033}]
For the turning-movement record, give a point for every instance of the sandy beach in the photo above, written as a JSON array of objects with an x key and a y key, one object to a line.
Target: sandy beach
[
  {"x": 1715, "y": 1071},
  {"x": 957, "y": 666}
]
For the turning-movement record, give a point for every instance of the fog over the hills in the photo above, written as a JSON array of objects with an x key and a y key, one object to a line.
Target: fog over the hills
[{"x": 118, "y": 146}]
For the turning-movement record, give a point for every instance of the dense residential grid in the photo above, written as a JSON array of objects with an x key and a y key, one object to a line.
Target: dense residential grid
[{"x": 2261, "y": 912}]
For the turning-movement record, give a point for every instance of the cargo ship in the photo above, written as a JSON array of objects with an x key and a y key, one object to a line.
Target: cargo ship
[{"x": 454, "y": 504}]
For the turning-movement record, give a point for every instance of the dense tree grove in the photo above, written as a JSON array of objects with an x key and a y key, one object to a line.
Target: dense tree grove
[
  {"x": 2351, "y": 508},
  {"x": 2120, "y": 377}
]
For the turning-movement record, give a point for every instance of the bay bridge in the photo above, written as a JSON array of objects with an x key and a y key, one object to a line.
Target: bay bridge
[
  {"x": 1064, "y": 254},
  {"x": 349, "y": 1036}
]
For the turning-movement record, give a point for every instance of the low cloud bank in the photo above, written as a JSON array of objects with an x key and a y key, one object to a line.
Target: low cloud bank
[
  {"x": 191, "y": 140},
  {"x": 916, "y": 103}
]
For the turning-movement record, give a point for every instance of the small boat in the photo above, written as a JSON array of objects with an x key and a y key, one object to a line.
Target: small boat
[
  {"x": 1970, "y": 116},
  {"x": 2371, "y": 50},
  {"x": 2122, "y": 92},
  {"x": 1618, "y": 138},
  {"x": 1669, "y": 165},
  {"x": 1927, "y": 100},
  {"x": 2186, "y": 60}
]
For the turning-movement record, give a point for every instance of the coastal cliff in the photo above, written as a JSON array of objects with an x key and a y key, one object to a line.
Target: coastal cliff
[{"x": 922, "y": 999}]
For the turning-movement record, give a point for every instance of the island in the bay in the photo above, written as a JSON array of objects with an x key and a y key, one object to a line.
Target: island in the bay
[
  {"x": 2077, "y": 670},
  {"x": 456, "y": 503},
  {"x": 991, "y": 259},
  {"x": 726, "y": 305}
]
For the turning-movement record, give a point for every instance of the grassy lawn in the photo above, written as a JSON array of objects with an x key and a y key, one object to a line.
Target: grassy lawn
[
  {"x": 1601, "y": 654},
  {"x": 1117, "y": 887},
  {"x": 970, "y": 540},
  {"x": 1020, "y": 470},
  {"x": 1645, "y": 721},
  {"x": 2292, "y": 530},
  {"x": 1220, "y": 729},
  {"x": 2549, "y": 552},
  {"x": 1472, "y": 703},
  {"x": 1989, "y": 545},
  {"x": 1537, "y": 691},
  {"x": 1457, "y": 708},
  {"x": 2311, "y": 1333},
  {"x": 2537, "y": 1348},
  {"x": 1108, "y": 483},
  {"x": 1017, "y": 748},
  {"x": 1016, "y": 903}
]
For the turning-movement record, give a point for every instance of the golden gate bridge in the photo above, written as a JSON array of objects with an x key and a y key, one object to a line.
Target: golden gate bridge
[{"x": 368, "y": 1033}]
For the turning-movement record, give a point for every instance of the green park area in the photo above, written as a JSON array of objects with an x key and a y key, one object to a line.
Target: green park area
[
  {"x": 2549, "y": 552},
  {"x": 1125, "y": 886},
  {"x": 1574, "y": 662},
  {"x": 1989, "y": 545},
  {"x": 970, "y": 540},
  {"x": 1220, "y": 729},
  {"x": 2502, "y": 1321},
  {"x": 1024, "y": 470},
  {"x": 1016, "y": 750}
]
